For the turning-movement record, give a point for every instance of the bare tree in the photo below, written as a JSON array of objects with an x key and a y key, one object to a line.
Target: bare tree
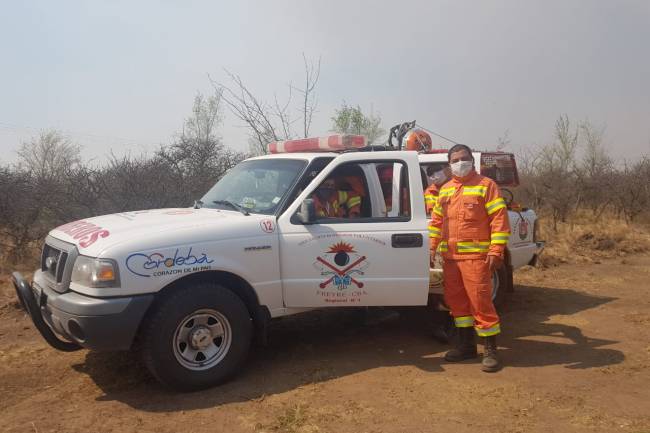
[
  {"x": 134, "y": 183},
  {"x": 269, "y": 122},
  {"x": 504, "y": 140},
  {"x": 554, "y": 172},
  {"x": 595, "y": 169},
  {"x": 530, "y": 190},
  {"x": 34, "y": 194},
  {"x": 49, "y": 155},
  {"x": 50, "y": 185},
  {"x": 257, "y": 115},
  {"x": 566, "y": 144},
  {"x": 198, "y": 157},
  {"x": 18, "y": 214},
  {"x": 632, "y": 191},
  {"x": 309, "y": 102}
]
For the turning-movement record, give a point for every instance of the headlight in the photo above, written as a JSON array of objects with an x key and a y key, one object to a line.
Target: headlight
[{"x": 92, "y": 272}]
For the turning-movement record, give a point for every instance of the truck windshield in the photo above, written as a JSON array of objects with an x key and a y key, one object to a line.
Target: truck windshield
[{"x": 257, "y": 186}]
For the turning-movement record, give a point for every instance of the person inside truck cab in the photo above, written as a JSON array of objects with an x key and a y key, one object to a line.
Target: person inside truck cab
[
  {"x": 332, "y": 201},
  {"x": 436, "y": 178}
]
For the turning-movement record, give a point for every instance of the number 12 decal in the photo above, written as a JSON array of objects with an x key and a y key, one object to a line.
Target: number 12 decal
[{"x": 268, "y": 226}]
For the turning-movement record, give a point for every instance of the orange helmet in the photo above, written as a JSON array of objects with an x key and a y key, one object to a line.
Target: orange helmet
[{"x": 418, "y": 140}]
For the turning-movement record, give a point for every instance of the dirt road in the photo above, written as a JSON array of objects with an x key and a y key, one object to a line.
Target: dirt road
[{"x": 575, "y": 346}]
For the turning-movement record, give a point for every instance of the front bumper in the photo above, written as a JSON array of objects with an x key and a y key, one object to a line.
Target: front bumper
[{"x": 94, "y": 323}]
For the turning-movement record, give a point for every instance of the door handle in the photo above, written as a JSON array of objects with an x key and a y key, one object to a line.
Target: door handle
[{"x": 406, "y": 240}]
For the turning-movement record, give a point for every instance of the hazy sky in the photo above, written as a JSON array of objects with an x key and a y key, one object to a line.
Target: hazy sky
[{"x": 122, "y": 75}]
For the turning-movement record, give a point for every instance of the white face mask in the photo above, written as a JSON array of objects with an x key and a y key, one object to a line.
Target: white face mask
[
  {"x": 437, "y": 178},
  {"x": 461, "y": 168}
]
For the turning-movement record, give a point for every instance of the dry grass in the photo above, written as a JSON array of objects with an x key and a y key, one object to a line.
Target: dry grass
[
  {"x": 8, "y": 264},
  {"x": 583, "y": 240},
  {"x": 28, "y": 259}
]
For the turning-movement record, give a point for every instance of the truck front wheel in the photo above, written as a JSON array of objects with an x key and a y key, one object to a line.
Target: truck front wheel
[{"x": 197, "y": 337}]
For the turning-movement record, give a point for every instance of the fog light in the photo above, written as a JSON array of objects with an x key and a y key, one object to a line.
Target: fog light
[{"x": 76, "y": 331}]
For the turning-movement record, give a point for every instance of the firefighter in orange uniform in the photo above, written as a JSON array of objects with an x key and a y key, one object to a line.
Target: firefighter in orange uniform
[
  {"x": 331, "y": 202},
  {"x": 470, "y": 227},
  {"x": 431, "y": 193}
]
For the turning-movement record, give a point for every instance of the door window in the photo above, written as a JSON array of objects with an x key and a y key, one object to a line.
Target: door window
[
  {"x": 393, "y": 178},
  {"x": 356, "y": 192}
]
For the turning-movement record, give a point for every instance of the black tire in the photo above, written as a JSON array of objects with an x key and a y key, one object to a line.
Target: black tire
[
  {"x": 500, "y": 290},
  {"x": 159, "y": 336}
]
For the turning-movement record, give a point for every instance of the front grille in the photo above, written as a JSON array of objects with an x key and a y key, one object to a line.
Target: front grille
[
  {"x": 56, "y": 264},
  {"x": 53, "y": 262}
]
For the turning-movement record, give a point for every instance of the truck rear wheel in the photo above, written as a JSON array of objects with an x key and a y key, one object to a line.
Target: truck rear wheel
[
  {"x": 500, "y": 286},
  {"x": 197, "y": 337}
]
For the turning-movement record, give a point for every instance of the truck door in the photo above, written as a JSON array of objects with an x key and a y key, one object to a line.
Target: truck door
[{"x": 374, "y": 254}]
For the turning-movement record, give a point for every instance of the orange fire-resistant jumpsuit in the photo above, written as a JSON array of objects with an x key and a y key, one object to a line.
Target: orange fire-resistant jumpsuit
[
  {"x": 342, "y": 204},
  {"x": 431, "y": 197},
  {"x": 470, "y": 222}
]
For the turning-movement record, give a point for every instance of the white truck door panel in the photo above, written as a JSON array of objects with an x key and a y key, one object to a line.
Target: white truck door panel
[
  {"x": 363, "y": 262},
  {"x": 521, "y": 245}
]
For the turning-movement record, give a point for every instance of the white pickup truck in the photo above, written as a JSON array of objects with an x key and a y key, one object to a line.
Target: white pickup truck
[{"x": 192, "y": 286}]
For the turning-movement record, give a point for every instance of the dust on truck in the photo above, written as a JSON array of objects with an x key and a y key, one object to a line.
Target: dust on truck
[{"x": 191, "y": 287}]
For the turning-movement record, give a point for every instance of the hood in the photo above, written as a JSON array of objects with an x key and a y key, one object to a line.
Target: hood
[{"x": 94, "y": 235}]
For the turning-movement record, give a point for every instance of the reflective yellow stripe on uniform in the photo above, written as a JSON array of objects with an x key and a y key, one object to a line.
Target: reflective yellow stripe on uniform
[
  {"x": 464, "y": 321},
  {"x": 487, "y": 332},
  {"x": 430, "y": 198},
  {"x": 472, "y": 247},
  {"x": 500, "y": 238},
  {"x": 447, "y": 192},
  {"x": 495, "y": 205},
  {"x": 478, "y": 190},
  {"x": 443, "y": 247},
  {"x": 354, "y": 201},
  {"x": 434, "y": 232},
  {"x": 437, "y": 210}
]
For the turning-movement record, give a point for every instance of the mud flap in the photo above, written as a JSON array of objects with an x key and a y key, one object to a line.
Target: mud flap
[{"x": 28, "y": 302}]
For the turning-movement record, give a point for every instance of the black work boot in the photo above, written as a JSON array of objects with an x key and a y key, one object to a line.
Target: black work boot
[
  {"x": 465, "y": 346},
  {"x": 490, "y": 360}
]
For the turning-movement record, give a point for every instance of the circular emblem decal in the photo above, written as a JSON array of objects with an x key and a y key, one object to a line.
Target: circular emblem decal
[{"x": 268, "y": 226}]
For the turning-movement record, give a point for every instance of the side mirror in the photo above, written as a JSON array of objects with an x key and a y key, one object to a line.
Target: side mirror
[{"x": 307, "y": 212}]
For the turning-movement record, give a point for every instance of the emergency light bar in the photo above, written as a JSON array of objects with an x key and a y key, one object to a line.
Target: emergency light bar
[{"x": 330, "y": 143}]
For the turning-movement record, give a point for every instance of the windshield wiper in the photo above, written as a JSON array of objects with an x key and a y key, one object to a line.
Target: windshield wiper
[
  {"x": 198, "y": 204},
  {"x": 232, "y": 205}
]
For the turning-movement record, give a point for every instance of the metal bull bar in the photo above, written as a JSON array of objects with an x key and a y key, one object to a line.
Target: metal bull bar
[{"x": 30, "y": 305}]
